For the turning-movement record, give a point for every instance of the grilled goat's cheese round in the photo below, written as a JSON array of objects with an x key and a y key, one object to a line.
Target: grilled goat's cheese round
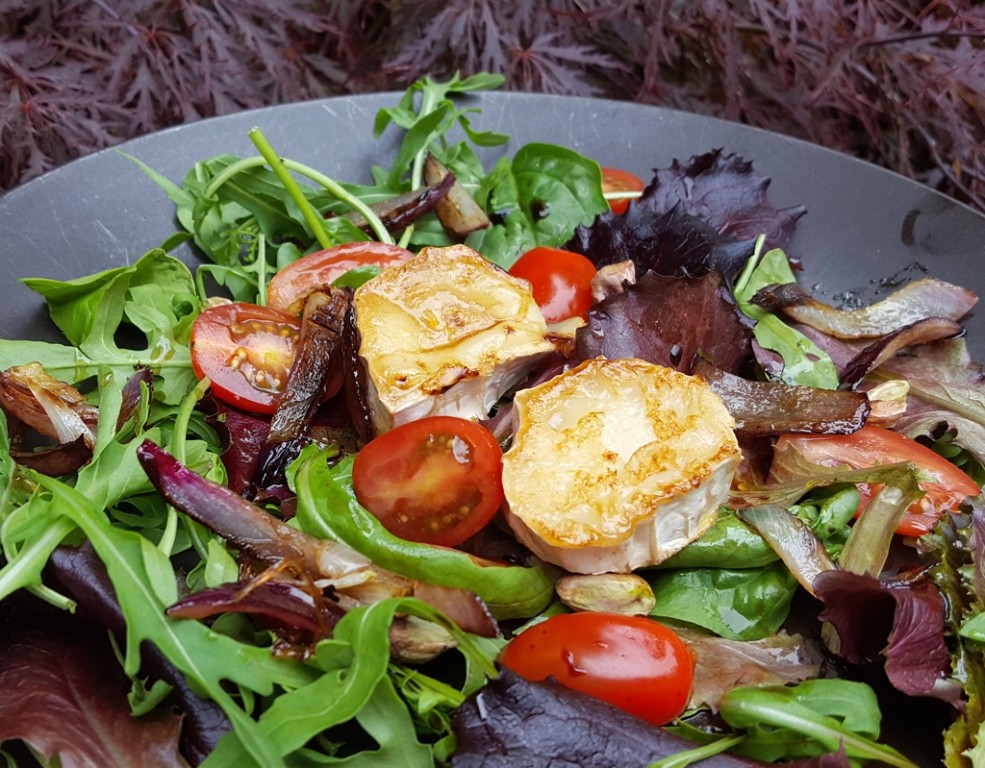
[
  {"x": 617, "y": 465},
  {"x": 445, "y": 332}
]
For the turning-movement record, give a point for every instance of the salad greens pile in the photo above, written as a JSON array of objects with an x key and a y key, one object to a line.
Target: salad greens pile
[{"x": 346, "y": 701}]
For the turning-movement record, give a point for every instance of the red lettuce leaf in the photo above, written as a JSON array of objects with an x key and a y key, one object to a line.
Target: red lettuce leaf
[
  {"x": 904, "y": 622},
  {"x": 66, "y": 695},
  {"x": 672, "y": 243},
  {"x": 80, "y": 574},
  {"x": 694, "y": 217},
  {"x": 668, "y": 321},
  {"x": 243, "y": 436},
  {"x": 512, "y": 722},
  {"x": 726, "y": 192}
]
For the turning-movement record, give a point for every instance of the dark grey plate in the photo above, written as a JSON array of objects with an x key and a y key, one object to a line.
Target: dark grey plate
[{"x": 865, "y": 226}]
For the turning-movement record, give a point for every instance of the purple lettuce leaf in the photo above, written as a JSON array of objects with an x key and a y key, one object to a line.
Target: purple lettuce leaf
[
  {"x": 902, "y": 622},
  {"x": 694, "y": 217},
  {"x": 512, "y": 722},
  {"x": 672, "y": 243},
  {"x": 65, "y": 695},
  {"x": 726, "y": 192},
  {"x": 79, "y": 573},
  {"x": 668, "y": 321}
]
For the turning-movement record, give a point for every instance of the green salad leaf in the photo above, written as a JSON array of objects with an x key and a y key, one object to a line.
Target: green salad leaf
[
  {"x": 540, "y": 196},
  {"x": 327, "y": 508},
  {"x": 735, "y": 603},
  {"x": 426, "y": 113},
  {"x": 812, "y": 718},
  {"x": 150, "y": 304},
  {"x": 804, "y": 362}
]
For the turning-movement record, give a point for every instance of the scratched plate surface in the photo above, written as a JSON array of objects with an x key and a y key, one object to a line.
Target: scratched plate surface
[{"x": 865, "y": 227}]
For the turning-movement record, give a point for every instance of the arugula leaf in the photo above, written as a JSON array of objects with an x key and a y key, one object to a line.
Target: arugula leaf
[
  {"x": 541, "y": 196},
  {"x": 803, "y": 361},
  {"x": 145, "y": 585},
  {"x": 427, "y": 123},
  {"x": 354, "y": 685},
  {"x": 153, "y": 298},
  {"x": 232, "y": 206}
]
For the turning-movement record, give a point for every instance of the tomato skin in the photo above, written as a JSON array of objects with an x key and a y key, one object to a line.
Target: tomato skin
[
  {"x": 419, "y": 477},
  {"x": 618, "y": 180},
  {"x": 871, "y": 446},
  {"x": 292, "y": 284},
  {"x": 632, "y": 662},
  {"x": 561, "y": 281},
  {"x": 246, "y": 351}
]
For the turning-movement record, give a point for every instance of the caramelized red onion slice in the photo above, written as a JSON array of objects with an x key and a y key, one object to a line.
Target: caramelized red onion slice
[
  {"x": 49, "y": 406},
  {"x": 244, "y": 525},
  {"x": 398, "y": 212},
  {"x": 356, "y": 381},
  {"x": 252, "y": 530},
  {"x": 458, "y": 213},
  {"x": 770, "y": 408},
  {"x": 792, "y": 540},
  {"x": 56, "y": 461},
  {"x": 916, "y": 301},
  {"x": 132, "y": 394},
  {"x": 279, "y": 601},
  {"x": 71, "y": 412},
  {"x": 920, "y": 332},
  {"x": 317, "y": 370}
]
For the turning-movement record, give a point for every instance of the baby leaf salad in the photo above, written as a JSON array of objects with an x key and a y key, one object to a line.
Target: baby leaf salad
[{"x": 480, "y": 464}]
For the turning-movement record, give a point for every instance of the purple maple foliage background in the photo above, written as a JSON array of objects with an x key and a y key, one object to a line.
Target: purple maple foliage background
[{"x": 898, "y": 82}]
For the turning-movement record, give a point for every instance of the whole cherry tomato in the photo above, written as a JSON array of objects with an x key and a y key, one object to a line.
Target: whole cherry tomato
[
  {"x": 632, "y": 662},
  {"x": 292, "y": 284},
  {"x": 437, "y": 480},
  {"x": 618, "y": 180},
  {"x": 246, "y": 351},
  {"x": 871, "y": 446},
  {"x": 561, "y": 281}
]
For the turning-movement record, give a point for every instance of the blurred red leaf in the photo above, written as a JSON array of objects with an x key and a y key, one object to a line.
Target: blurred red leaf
[{"x": 65, "y": 696}]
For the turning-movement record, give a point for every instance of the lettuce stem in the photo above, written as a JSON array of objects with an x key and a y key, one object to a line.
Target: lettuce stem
[{"x": 329, "y": 184}]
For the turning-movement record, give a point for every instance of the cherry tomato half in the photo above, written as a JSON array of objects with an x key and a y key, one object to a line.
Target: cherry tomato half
[
  {"x": 871, "y": 446},
  {"x": 246, "y": 351},
  {"x": 293, "y": 283},
  {"x": 437, "y": 480},
  {"x": 631, "y": 662},
  {"x": 618, "y": 180},
  {"x": 561, "y": 281}
]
